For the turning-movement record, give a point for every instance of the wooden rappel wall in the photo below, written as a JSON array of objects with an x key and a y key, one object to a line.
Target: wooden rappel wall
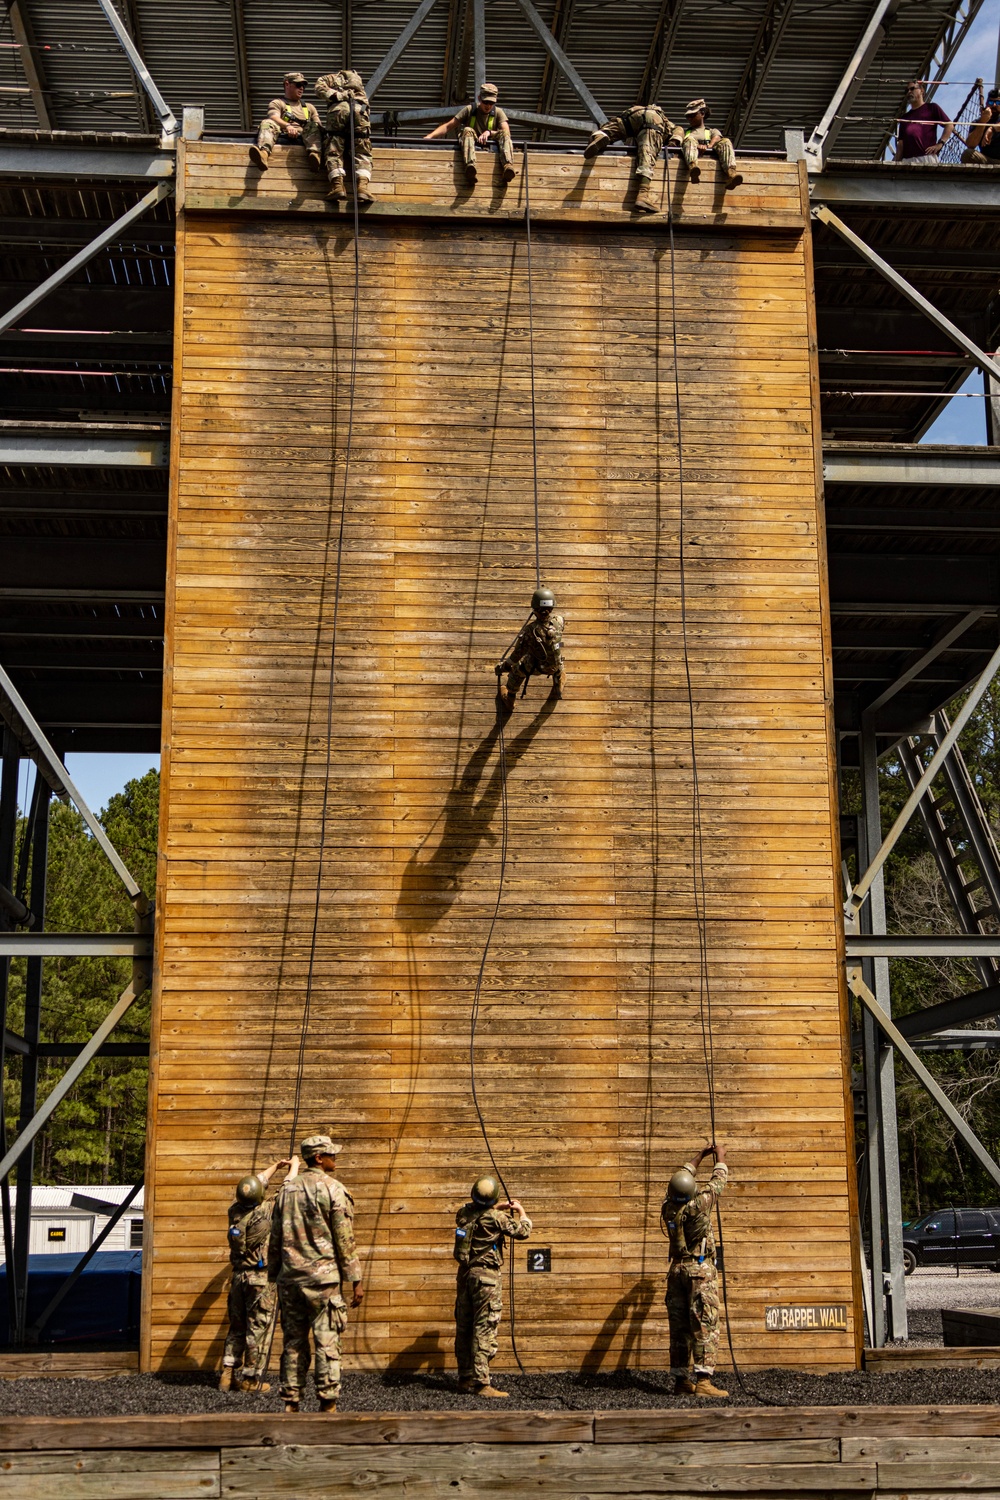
[{"x": 590, "y": 1054}]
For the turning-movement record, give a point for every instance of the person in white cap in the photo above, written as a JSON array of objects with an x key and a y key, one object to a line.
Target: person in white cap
[
  {"x": 311, "y": 1255},
  {"x": 696, "y": 139},
  {"x": 480, "y": 124}
]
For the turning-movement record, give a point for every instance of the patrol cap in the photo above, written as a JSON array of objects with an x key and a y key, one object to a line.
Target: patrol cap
[
  {"x": 489, "y": 91},
  {"x": 295, "y": 78},
  {"x": 696, "y": 107},
  {"x": 315, "y": 1144}
]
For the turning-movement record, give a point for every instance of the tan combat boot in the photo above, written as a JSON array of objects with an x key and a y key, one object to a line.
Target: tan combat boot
[
  {"x": 694, "y": 173},
  {"x": 327, "y": 1405},
  {"x": 599, "y": 141},
  {"x": 338, "y": 192},
  {"x": 492, "y": 1392},
  {"x": 735, "y": 180},
  {"x": 706, "y": 1388},
  {"x": 644, "y": 200},
  {"x": 509, "y": 174},
  {"x": 471, "y": 173},
  {"x": 259, "y": 157},
  {"x": 254, "y": 1386},
  {"x": 558, "y": 684},
  {"x": 228, "y": 1378},
  {"x": 362, "y": 190},
  {"x": 315, "y": 161},
  {"x": 684, "y": 1386},
  {"x": 292, "y": 1403},
  {"x": 467, "y": 1387}
]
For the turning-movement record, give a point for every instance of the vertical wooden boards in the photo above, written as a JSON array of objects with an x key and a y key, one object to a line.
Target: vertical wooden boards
[{"x": 301, "y": 992}]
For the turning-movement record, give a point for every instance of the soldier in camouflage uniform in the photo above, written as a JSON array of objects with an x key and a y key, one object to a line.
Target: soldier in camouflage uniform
[
  {"x": 692, "y": 1281},
  {"x": 696, "y": 139},
  {"x": 480, "y": 1227},
  {"x": 477, "y": 125},
  {"x": 345, "y": 95},
  {"x": 311, "y": 1254},
  {"x": 647, "y": 125},
  {"x": 537, "y": 650},
  {"x": 290, "y": 121},
  {"x": 251, "y": 1296}
]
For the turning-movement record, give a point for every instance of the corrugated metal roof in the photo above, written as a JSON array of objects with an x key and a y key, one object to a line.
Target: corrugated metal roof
[
  {"x": 198, "y": 50},
  {"x": 43, "y": 1198}
]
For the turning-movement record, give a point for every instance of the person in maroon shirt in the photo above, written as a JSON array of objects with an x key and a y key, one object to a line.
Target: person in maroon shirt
[{"x": 917, "y": 144}]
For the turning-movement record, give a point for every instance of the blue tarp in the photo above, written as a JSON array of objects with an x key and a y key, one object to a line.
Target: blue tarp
[{"x": 102, "y": 1306}]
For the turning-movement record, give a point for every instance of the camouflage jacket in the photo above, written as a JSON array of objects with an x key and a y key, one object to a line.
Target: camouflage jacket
[
  {"x": 336, "y": 87},
  {"x": 539, "y": 642},
  {"x": 249, "y": 1231},
  {"x": 689, "y": 1225},
  {"x": 312, "y": 1236},
  {"x": 488, "y": 1226},
  {"x": 293, "y": 114}
]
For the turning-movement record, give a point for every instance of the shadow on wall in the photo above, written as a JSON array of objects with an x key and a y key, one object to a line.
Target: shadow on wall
[
  {"x": 429, "y": 886},
  {"x": 178, "y": 1355},
  {"x": 626, "y": 1317}
]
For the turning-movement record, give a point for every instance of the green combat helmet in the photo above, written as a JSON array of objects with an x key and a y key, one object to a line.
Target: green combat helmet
[
  {"x": 485, "y": 1191},
  {"x": 682, "y": 1187},
  {"x": 543, "y": 599},
  {"x": 250, "y": 1189}
]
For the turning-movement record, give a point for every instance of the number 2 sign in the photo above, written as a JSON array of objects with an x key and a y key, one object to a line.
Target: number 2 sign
[{"x": 540, "y": 1260}]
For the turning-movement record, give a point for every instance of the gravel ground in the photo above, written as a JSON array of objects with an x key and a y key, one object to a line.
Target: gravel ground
[
  {"x": 143, "y": 1395},
  {"x": 927, "y": 1289}
]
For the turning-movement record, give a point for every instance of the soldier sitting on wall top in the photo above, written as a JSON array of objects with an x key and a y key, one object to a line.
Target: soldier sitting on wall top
[
  {"x": 478, "y": 125},
  {"x": 696, "y": 139},
  {"x": 290, "y": 122}
]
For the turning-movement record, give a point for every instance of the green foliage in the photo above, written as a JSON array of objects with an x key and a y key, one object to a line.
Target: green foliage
[
  {"x": 98, "y": 1133},
  {"x": 936, "y": 1168}
]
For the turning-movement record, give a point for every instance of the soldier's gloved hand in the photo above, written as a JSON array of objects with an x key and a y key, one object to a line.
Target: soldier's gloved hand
[
  {"x": 359, "y": 1295},
  {"x": 499, "y": 667}
]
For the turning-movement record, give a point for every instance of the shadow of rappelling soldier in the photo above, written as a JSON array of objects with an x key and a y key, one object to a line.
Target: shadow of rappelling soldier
[{"x": 536, "y": 651}]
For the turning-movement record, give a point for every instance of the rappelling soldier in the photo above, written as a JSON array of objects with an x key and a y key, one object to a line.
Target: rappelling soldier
[
  {"x": 696, "y": 139},
  {"x": 251, "y": 1295},
  {"x": 647, "y": 125},
  {"x": 537, "y": 650},
  {"x": 692, "y": 1281},
  {"x": 345, "y": 95},
  {"x": 311, "y": 1255},
  {"x": 290, "y": 122},
  {"x": 480, "y": 124},
  {"x": 480, "y": 1230}
]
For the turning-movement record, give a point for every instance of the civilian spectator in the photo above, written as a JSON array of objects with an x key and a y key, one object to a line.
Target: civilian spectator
[
  {"x": 917, "y": 144},
  {"x": 984, "y": 138}
]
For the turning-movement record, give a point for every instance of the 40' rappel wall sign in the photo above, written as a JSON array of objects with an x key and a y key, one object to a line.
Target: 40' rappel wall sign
[{"x": 830, "y": 1317}]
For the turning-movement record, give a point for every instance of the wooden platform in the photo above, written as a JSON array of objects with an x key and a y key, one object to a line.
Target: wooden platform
[
  {"x": 591, "y": 1060},
  {"x": 818, "y": 1451},
  {"x": 957, "y": 1357},
  {"x": 61, "y": 1364}
]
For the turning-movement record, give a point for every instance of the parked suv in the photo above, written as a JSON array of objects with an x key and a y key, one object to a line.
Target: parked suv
[{"x": 953, "y": 1237}]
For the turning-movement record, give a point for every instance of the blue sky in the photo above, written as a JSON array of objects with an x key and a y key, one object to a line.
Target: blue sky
[{"x": 962, "y": 421}]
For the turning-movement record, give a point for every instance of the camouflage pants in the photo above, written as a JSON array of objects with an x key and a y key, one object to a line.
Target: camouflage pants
[
  {"x": 250, "y": 1308},
  {"x": 723, "y": 149},
  {"x": 693, "y": 1311},
  {"x": 338, "y": 141},
  {"x": 478, "y": 1306},
  {"x": 467, "y": 146},
  {"x": 271, "y": 133},
  {"x": 524, "y": 667},
  {"x": 646, "y": 127},
  {"x": 319, "y": 1310}
]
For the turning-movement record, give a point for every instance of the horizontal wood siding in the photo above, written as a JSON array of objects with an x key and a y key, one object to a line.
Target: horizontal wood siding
[{"x": 590, "y": 1053}]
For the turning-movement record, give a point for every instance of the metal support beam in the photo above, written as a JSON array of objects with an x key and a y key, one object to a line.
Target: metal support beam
[
  {"x": 165, "y": 114},
  {"x": 660, "y": 49},
  {"x": 763, "y": 51},
  {"x": 137, "y": 986},
  {"x": 478, "y": 44},
  {"x": 820, "y": 142},
  {"x": 38, "y": 831},
  {"x": 102, "y": 450},
  {"x": 930, "y": 1083},
  {"x": 956, "y": 945},
  {"x": 962, "y": 1011},
  {"x": 562, "y": 62},
  {"x": 910, "y": 465},
  {"x": 826, "y": 216},
  {"x": 858, "y": 895},
  {"x": 12, "y": 705},
  {"x": 9, "y": 767},
  {"x": 945, "y": 637},
  {"x": 21, "y": 28},
  {"x": 242, "y": 66},
  {"x": 75, "y": 945},
  {"x": 84, "y": 161},
  {"x": 562, "y": 20},
  {"x": 156, "y": 195},
  {"x": 399, "y": 46}
]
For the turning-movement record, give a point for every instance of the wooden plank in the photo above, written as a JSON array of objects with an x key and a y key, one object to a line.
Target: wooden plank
[
  {"x": 100, "y": 1365},
  {"x": 972, "y": 1356}
]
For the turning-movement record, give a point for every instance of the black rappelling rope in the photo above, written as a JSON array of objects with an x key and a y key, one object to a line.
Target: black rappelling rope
[
  {"x": 307, "y": 1007},
  {"x": 699, "y": 887}
]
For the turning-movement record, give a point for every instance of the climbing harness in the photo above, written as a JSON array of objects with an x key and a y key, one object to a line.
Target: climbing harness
[{"x": 314, "y": 934}]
